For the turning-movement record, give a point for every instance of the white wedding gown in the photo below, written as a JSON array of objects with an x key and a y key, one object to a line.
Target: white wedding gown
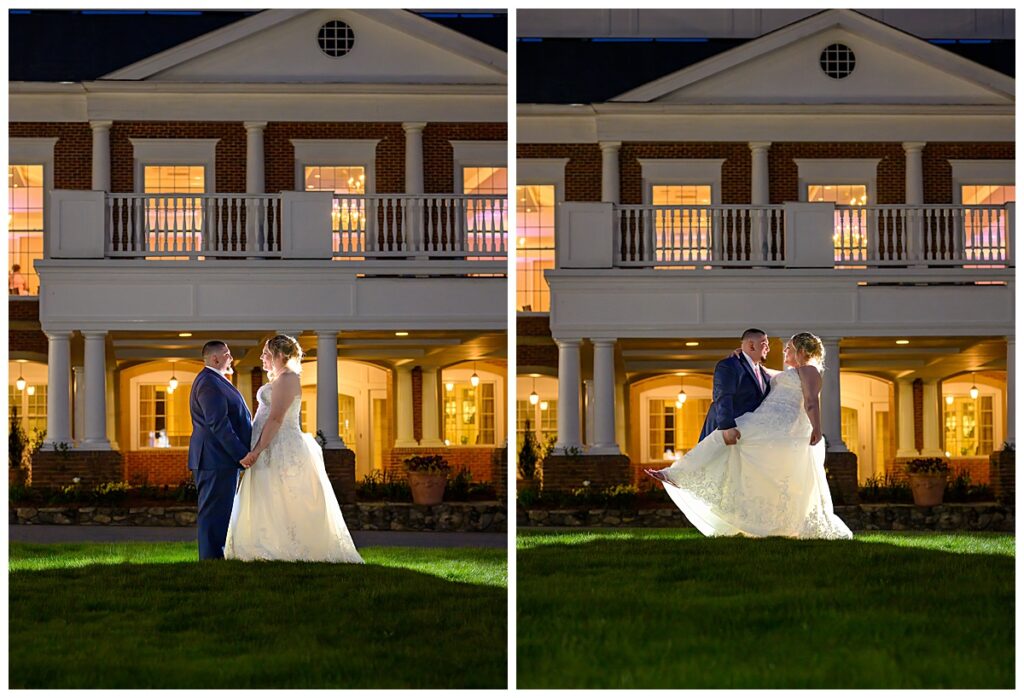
[
  {"x": 770, "y": 483},
  {"x": 285, "y": 508}
]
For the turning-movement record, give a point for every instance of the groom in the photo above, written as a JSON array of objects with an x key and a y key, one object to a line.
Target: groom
[
  {"x": 740, "y": 385},
  {"x": 221, "y": 434}
]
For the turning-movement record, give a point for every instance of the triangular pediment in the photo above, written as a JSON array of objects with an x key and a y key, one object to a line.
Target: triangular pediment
[
  {"x": 783, "y": 67},
  {"x": 280, "y": 46}
]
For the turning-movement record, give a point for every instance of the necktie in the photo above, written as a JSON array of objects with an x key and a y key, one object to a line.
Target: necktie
[{"x": 760, "y": 381}]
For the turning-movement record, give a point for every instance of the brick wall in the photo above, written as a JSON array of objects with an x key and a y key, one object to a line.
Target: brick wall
[
  {"x": 534, "y": 345},
  {"x": 280, "y": 154},
  {"x": 230, "y": 153},
  {"x": 582, "y": 172},
  {"x": 568, "y": 473},
  {"x": 417, "y": 403},
  {"x": 158, "y": 467},
  {"x": 891, "y": 172},
  {"x": 25, "y": 339},
  {"x": 918, "y": 387},
  {"x": 938, "y": 173},
  {"x": 735, "y": 169},
  {"x": 72, "y": 167},
  {"x": 23, "y": 311},
  {"x": 977, "y": 468},
  {"x": 438, "y": 155},
  {"x": 50, "y": 469},
  {"x": 479, "y": 461}
]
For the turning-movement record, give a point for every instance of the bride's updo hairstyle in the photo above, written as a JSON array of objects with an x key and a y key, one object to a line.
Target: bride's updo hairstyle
[
  {"x": 287, "y": 348},
  {"x": 811, "y": 346}
]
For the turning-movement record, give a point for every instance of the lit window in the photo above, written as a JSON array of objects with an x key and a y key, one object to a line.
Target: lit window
[
  {"x": 985, "y": 226},
  {"x": 30, "y": 410},
  {"x": 347, "y": 419},
  {"x": 673, "y": 429},
  {"x": 469, "y": 417},
  {"x": 348, "y": 213},
  {"x": 849, "y": 429},
  {"x": 174, "y": 222},
  {"x": 486, "y": 218},
  {"x": 969, "y": 426},
  {"x": 683, "y": 232},
  {"x": 850, "y": 236},
  {"x": 535, "y": 245},
  {"x": 543, "y": 417},
  {"x": 164, "y": 418},
  {"x": 25, "y": 226}
]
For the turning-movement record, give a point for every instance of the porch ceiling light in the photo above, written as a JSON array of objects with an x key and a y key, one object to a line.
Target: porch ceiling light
[
  {"x": 543, "y": 405},
  {"x": 172, "y": 384},
  {"x": 449, "y": 387},
  {"x": 693, "y": 344},
  {"x": 534, "y": 397},
  {"x": 474, "y": 379},
  {"x": 31, "y": 390},
  {"x": 401, "y": 334},
  {"x": 949, "y": 399},
  {"x": 21, "y": 379},
  {"x": 974, "y": 388},
  {"x": 184, "y": 334},
  {"x": 902, "y": 342}
]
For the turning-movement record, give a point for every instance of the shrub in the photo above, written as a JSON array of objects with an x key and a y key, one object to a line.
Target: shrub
[
  {"x": 17, "y": 442},
  {"x": 381, "y": 487},
  {"x": 529, "y": 454},
  {"x": 886, "y": 488}
]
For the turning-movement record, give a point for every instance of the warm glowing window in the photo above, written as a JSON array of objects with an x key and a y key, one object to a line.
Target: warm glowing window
[
  {"x": 535, "y": 245},
  {"x": 673, "y": 429},
  {"x": 174, "y": 222},
  {"x": 543, "y": 416},
  {"x": 164, "y": 419},
  {"x": 485, "y": 217},
  {"x": 850, "y": 236},
  {"x": 985, "y": 227},
  {"x": 469, "y": 417},
  {"x": 969, "y": 426},
  {"x": 348, "y": 214},
  {"x": 347, "y": 419},
  {"x": 850, "y": 429},
  {"x": 682, "y": 233},
  {"x": 28, "y": 409},
  {"x": 25, "y": 224},
  {"x": 485, "y": 180}
]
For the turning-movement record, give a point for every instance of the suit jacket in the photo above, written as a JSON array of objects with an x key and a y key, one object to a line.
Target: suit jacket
[
  {"x": 221, "y": 423},
  {"x": 735, "y": 393}
]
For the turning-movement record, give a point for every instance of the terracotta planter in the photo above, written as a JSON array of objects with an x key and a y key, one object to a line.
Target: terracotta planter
[
  {"x": 928, "y": 488},
  {"x": 427, "y": 488}
]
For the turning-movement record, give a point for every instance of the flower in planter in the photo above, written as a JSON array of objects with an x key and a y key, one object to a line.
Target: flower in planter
[
  {"x": 427, "y": 464},
  {"x": 936, "y": 466},
  {"x": 76, "y": 480}
]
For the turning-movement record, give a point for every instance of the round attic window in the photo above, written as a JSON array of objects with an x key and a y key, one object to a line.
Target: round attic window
[
  {"x": 838, "y": 61},
  {"x": 336, "y": 38}
]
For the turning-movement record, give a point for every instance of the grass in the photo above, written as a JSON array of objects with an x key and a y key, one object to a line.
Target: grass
[
  {"x": 151, "y": 615},
  {"x": 671, "y": 609}
]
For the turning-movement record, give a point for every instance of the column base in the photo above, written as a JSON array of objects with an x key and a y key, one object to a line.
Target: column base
[
  {"x": 841, "y": 469},
  {"x": 341, "y": 471},
  {"x": 1002, "y": 475},
  {"x": 94, "y": 446},
  {"x": 907, "y": 453},
  {"x": 59, "y": 469},
  {"x": 407, "y": 444},
  {"x": 601, "y": 450},
  {"x": 335, "y": 444},
  {"x": 432, "y": 443},
  {"x": 932, "y": 453},
  {"x": 560, "y": 473}
]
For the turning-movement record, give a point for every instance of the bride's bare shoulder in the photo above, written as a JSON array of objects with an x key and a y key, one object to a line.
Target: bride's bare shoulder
[{"x": 809, "y": 375}]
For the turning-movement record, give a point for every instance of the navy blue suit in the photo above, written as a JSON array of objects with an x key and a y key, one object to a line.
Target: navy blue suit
[
  {"x": 735, "y": 393},
  {"x": 221, "y": 433}
]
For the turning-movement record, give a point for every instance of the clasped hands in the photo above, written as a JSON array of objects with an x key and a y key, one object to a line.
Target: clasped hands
[{"x": 249, "y": 459}]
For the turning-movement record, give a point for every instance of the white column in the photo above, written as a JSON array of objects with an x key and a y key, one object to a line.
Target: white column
[
  {"x": 831, "y": 401},
  {"x": 759, "y": 193},
  {"x": 610, "y": 171},
  {"x": 568, "y": 393},
  {"x": 95, "y": 391},
  {"x": 327, "y": 388},
  {"x": 930, "y": 420},
  {"x": 604, "y": 398},
  {"x": 914, "y": 173},
  {"x": 58, "y": 396},
  {"x": 621, "y": 397},
  {"x": 101, "y": 155},
  {"x": 78, "y": 403},
  {"x": 1011, "y": 392},
  {"x": 414, "y": 157},
  {"x": 255, "y": 182},
  {"x": 403, "y": 408},
  {"x": 430, "y": 408},
  {"x": 905, "y": 423}
]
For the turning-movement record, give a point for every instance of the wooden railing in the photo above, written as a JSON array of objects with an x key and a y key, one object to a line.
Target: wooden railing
[{"x": 715, "y": 235}]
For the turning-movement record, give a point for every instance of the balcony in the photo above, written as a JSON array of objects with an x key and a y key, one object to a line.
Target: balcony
[{"x": 420, "y": 230}]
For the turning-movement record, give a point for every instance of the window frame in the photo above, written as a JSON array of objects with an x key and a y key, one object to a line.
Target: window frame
[
  {"x": 36, "y": 151},
  {"x": 539, "y": 172}
]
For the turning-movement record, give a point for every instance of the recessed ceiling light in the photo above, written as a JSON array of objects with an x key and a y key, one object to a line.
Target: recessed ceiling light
[
  {"x": 534, "y": 375},
  {"x": 693, "y": 344},
  {"x": 903, "y": 341},
  {"x": 184, "y": 334},
  {"x": 681, "y": 373},
  {"x": 401, "y": 334}
]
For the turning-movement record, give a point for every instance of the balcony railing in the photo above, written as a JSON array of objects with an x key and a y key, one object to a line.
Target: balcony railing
[
  {"x": 791, "y": 235},
  {"x": 286, "y": 225},
  {"x": 703, "y": 235}
]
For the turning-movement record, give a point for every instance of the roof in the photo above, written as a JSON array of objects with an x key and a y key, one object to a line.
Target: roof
[{"x": 83, "y": 45}]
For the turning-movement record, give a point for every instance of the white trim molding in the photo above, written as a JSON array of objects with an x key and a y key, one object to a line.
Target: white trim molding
[
  {"x": 980, "y": 172},
  {"x": 476, "y": 154},
  {"x": 337, "y": 152},
  {"x": 543, "y": 171},
  {"x": 175, "y": 151},
  {"x": 670, "y": 171},
  {"x": 837, "y": 171}
]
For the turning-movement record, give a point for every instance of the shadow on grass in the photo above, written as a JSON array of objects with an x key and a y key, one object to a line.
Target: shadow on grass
[
  {"x": 674, "y": 609},
  {"x": 181, "y": 624}
]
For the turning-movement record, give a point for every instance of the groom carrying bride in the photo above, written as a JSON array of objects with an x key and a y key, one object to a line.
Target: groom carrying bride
[{"x": 740, "y": 386}]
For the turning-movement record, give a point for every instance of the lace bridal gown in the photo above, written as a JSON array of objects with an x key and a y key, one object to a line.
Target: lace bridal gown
[
  {"x": 771, "y": 483},
  {"x": 285, "y": 508}
]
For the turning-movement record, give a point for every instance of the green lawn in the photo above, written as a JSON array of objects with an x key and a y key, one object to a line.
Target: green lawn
[
  {"x": 671, "y": 609},
  {"x": 151, "y": 615}
]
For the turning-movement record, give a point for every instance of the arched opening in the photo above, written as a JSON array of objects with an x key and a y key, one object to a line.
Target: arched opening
[
  {"x": 26, "y": 394},
  {"x": 539, "y": 414},
  {"x": 661, "y": 427},
  {"x": 973, "y": 424},
  {"x": 472, "y": 415},
  {"x": 868, "y": 422}
]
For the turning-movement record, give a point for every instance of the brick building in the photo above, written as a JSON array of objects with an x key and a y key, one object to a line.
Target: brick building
[
  {"x": 339, "y": 175},
  {"x": 683, "y": 175}
]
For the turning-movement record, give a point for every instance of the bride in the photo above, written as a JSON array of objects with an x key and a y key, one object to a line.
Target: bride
[
  {"x": 772, "y": 481},
  {"x": 285, "y": 508}
]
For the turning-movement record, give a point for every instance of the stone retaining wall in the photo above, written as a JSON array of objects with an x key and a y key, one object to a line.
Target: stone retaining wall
[
  {"x": 864, "y": 517},
  {"x": 489, "y": 517}
]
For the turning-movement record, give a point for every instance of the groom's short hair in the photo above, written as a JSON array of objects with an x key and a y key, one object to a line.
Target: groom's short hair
[
  {"x": 212, "y": 347},
  {"x": 752, "y": 332}
]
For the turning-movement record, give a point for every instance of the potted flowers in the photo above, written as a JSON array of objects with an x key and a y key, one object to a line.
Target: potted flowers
[
  {"x": 427, "y": 478},
  {"x": 927, "y": 480}
]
